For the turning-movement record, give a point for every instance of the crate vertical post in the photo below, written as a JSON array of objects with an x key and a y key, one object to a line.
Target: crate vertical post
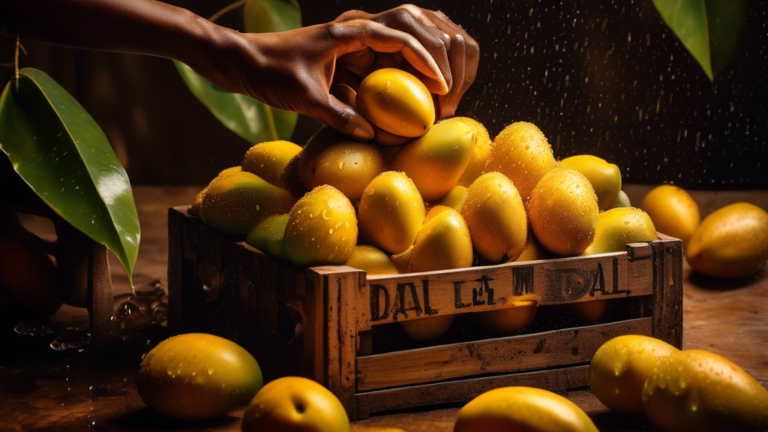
[{"x": 668, "y": 290}]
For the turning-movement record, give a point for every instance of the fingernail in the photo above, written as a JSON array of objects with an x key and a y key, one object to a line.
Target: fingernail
[{"x": 362, "y": 134}]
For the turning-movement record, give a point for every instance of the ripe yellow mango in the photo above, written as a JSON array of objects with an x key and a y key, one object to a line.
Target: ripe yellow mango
[
  {"x": 427, "y": 329},
  {"x": 620, "y": 367},
  {"x": 496, "y": 217},
  {"x": 198, "y": 202},
  {"x": 396, "y": 102},
  {"x": 436, "y": 160},
  {"x": 732, "y": 242},
  {"x": 700, "y": 391},
  {"x": 617, "y": 227},
  {"x": 532, "y": 251},
  {"x": 621, "y": 201},
  {"x": 434, "y": 211},
  {"x": 384, "y": 138},
  {"x": 512, "y": 319},
  {"x": 268, "y": 235},
  {"x": 455, "y": 198},
  {"x": 605, "y": 177},
  {"x": 443, "y": 243},
  {"x": 402, "y": 260},
  {"x": 563, "y": 211},
  {"x": 372, "y": 260},
  {"x": 268, "y": 160},
  {"x": 349, "y": 166},
  {"x": 321, "y": 229},
  {"x": 236, "y": 203},
  {"x": 522, "y": 409},
  {"x": 673, "y": 211},
  {"x": 521, "y": 152},
  {"x": 481, "y": 152},
  {"x": 391, "y": 212}
]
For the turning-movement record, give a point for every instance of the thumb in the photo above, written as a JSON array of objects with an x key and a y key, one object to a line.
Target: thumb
[{"x": 343, "y": 118}]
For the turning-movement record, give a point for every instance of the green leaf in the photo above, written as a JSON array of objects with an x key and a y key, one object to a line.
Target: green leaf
[
  {"x": 266, "y": 16},
  {"x": 65, "y": 158},
  {"x": 249, "y": 118},
  {"x": 727, "y": 20},
  {"x": 688, "y": 20},
  {"x": 252, "y": 120}
]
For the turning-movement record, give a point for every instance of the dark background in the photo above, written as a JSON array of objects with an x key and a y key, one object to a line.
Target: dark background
[{"x": 600, "y": 77}]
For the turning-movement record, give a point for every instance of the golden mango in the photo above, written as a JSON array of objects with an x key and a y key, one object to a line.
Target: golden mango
[
  {"x": 391, "y": 212},
  {"x": 372, "y": 260},
  {"x": 436, "y": 160},
  {"x": 268, "y": 160},
  {"x": 236, "y": 203},
  {"x": 496, "y": 217},
  {"x": 522, "y": 409},
  {"x": 397, "y": 102},
  {"x": 321, "y": 229},
  {"x": 427, "y": 329},
  {"x": 402, "y": 261},
  {"x": 197, "y": 204},
  {"x": 620, "y": 367},
  {"x": 732, "y": 242},
  {"x": 434, "y": 211},
  {"x": 268, "y": 235},
  {"x": 384, "y": 138},
  {"x": 621, "y": 201},
  {"x": 617, "y": 227},
  {"x": 349, "y": 166},
  {"x": 605, "y": 177},
  {"x": 443, "y": 243},
  {"x": 673, "y": 211},
  {"x": 521, "y": 152},
  {"x": 455, "y": 198},
  {"x": 700, "y": 391},
  {"x": 481, "y": 152},
  {"x": 563, "y": 211},
  {"x": 533, "y": 251},
  {"x": 513, "y": 318}
]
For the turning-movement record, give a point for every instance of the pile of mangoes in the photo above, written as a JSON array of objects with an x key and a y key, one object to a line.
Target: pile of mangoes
[{"x": 424, "y": 196}]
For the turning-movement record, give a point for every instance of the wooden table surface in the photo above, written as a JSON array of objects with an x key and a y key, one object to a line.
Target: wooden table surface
[{"x": 92, "y": 388}]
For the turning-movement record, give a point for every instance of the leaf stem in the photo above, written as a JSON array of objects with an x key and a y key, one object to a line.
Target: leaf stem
[{"x": 225, "y": 10}]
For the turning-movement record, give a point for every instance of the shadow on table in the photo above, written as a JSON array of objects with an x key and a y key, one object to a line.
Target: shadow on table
[
  {"x": 146, "y": 419},
  {"x": 617, "y": 422},
  {"x": 724, "y": 284}
]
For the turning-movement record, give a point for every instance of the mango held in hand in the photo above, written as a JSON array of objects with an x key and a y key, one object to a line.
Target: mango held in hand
[
  {"x": 522, "y": 409},
  {"x": 620, "y": 367},
  {"x": 391, "y": 212},
  {"x": 731, "y": 242},
  {"x": 700, "y": 391},
  {"x": 321, "y": 229},
  {"x": 372, "y": 260},
  {"x": 436, "y": 160},
  {"x": 481, "y": 152},
  {"x": 236, "y": 203},
  {"x": 197, "y": 376},
  {"x": 397, "y": 102},
  {"x": 605, "y": 177},
  {"x": 673, "y": 211},
  {"x": 295, "y": 404},
  {"x": 349, "y": 166},
  {"x": 268, "y": 235},
  {"x": 496, "y": 217},
  {"x": 521, "y": 152},
  {"x": 268, "y": 159},
  {"x": 563, "y": 212}
]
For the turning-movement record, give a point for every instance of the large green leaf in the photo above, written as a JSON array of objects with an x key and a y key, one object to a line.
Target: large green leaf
[
  {"x": 709, "y": 29},
  {"x": 252, "y": 120},
  {"x": 64, "y": 156},
  {"x": 266, "y": 16}
]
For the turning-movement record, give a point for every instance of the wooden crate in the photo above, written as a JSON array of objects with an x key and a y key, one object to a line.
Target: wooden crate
[{"x": 322, "y": 322}]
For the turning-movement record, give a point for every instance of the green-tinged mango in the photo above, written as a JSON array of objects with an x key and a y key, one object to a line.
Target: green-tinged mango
[
  {"x": 267, "y": 236},
  {"x": 605, "y": 177}
]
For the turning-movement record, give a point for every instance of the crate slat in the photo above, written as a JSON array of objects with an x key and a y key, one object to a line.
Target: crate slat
[
  {"x": 509, "y": 354},
  {"x": 460, "y": 391}
]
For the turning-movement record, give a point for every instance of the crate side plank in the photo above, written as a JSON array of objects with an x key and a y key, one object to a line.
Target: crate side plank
[
  {"x": 510, "y": 354},
  {"x": 668, "y": 290},
  {"x": 568, "y": 280},
  {"x": 460, "y": 391}
]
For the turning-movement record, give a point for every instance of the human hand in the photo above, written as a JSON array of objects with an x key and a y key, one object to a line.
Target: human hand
[{"x": 300, "y": 70}]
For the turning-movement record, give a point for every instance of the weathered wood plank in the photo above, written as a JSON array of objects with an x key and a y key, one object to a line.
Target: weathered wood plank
[
  {"x": 509, "y": 354},
  {"x": 557, "y": 281},
  {"x": 460, "y": 391},
  {"x": 668, "y": 290}
]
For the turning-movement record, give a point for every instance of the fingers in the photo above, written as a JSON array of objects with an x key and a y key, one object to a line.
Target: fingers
[
  {"x": 353, "y": 35},
  {"x": 342, "y": 117},
  {"x": 358, "y": 62}
]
